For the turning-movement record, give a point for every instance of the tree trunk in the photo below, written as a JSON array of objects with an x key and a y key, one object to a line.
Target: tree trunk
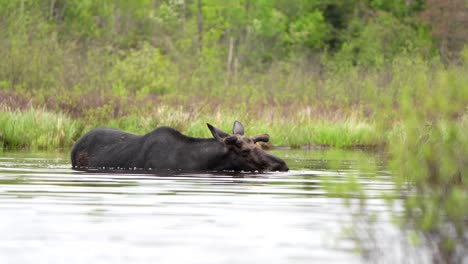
[
  {"x": 199, "y": 26},
  {"x": 229, "y": 62}
]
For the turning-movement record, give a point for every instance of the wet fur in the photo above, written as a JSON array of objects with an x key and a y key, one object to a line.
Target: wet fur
[{"x": 166, "y": 148}]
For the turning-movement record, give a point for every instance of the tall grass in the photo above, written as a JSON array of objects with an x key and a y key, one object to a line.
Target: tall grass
[
  {"x": 294, "y": 130},
  {"x": 36, "y": 128}
]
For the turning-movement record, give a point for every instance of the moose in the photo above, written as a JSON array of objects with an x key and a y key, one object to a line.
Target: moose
[{"x": 166, "y": 148}]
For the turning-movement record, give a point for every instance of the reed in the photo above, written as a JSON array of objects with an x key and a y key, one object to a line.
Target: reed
[
  {"x": 37, "y": 129},
  {"x": 291, "y": 131}
]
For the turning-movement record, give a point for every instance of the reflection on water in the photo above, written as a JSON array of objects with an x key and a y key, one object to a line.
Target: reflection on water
[{"x": 52, "y": 214}]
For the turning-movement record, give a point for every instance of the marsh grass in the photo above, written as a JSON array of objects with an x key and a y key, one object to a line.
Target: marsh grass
[
  {"x": 283, "y": 131},
  {"x": 37, "y": 128}
]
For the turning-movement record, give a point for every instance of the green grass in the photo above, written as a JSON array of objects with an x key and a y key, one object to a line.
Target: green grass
[
  {"x": 348, "y": 132},
  {"x": 36, "y": 128},
  {"x": 289, "y": 132}
]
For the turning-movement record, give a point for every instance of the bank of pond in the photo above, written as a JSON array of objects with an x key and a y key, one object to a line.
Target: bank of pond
[{"x": 40, "y": 129}]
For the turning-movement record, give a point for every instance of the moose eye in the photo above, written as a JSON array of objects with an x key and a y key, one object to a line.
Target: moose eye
[{"x": 245, "y": 152}]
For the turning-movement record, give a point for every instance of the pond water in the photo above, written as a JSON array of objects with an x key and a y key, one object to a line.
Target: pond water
[{"x": 52, "y": 214}]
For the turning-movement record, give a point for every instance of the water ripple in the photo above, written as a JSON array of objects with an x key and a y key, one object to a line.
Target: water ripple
[{"x": 52, "y": 212}]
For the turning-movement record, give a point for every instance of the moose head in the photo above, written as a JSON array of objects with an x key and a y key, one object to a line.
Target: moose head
[{"x": 242, "y": 153}]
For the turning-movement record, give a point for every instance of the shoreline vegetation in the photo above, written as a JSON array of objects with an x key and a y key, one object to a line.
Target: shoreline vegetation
[
  {"x": 38, "y": 128},
  {"x": 407, "y": 94}
]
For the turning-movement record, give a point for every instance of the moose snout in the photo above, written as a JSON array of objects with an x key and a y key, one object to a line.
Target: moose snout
[
  {"x": 280, "y": 167},
  {"x": 277, "y": 164}
]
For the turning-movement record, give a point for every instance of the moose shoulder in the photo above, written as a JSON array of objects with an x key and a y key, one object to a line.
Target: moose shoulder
[{"x": 167, "y": 148}]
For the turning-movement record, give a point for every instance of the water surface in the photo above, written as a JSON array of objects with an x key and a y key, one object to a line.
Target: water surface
[{"x": 52, "y": 214}]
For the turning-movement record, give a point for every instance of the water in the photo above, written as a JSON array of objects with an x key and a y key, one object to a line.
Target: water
[{"x": 52, "y": 214}]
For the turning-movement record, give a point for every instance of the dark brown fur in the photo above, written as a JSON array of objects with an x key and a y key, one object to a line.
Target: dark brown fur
[{"x": 166, "y": 148}]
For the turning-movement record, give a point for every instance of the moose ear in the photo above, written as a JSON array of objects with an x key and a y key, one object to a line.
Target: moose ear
[
  {"x": 217, "y": 133},
  {"x": 238, "y": 128},
  {"x": 261, "y": 138}
]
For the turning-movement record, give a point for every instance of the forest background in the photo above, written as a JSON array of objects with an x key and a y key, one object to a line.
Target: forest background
[{"x": 308, "y": 72}]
